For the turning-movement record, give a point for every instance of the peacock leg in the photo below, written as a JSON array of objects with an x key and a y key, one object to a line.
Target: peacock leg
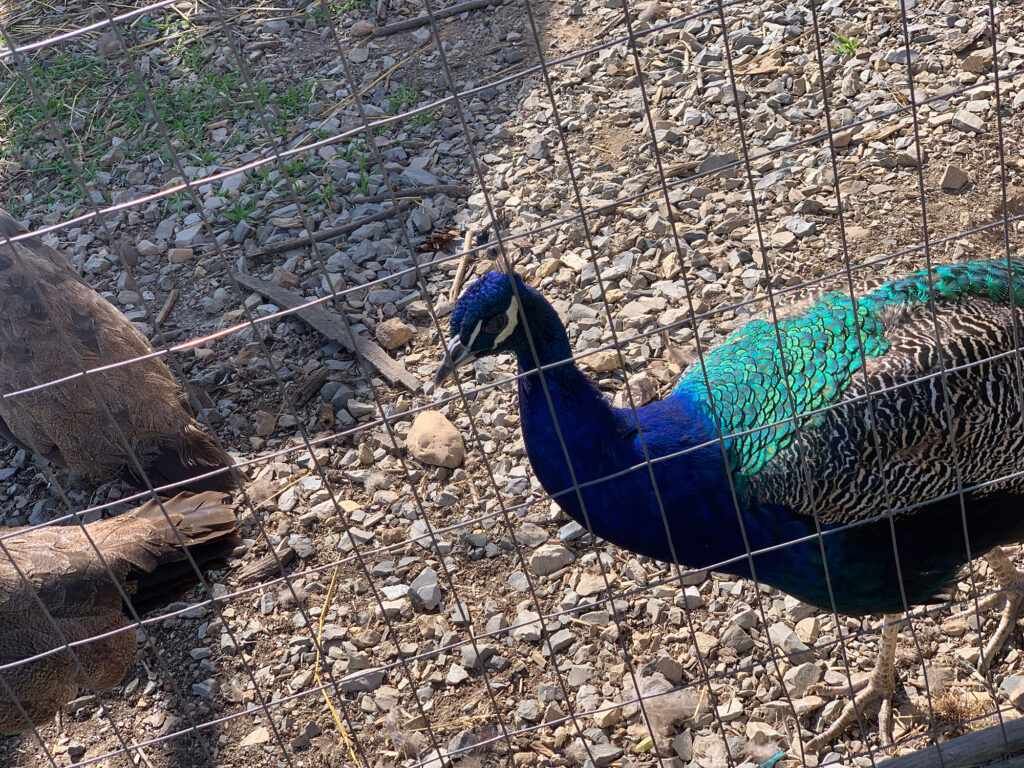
[
  {"x": 881, "y": 683},
  {"x": 1010, "y": 594}
]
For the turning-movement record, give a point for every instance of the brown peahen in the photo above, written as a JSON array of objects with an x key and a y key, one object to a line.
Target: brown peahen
[
  {"x": 51, "y": 324},
  {"x": 141, "y": 549}
]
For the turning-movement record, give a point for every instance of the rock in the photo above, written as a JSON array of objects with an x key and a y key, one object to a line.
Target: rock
[
  {"x": 549, "y": 558},
  {"x": 808, "y": 630},
  {"x": 266, "y": 423},
  {"x": 705, "y": 643},
  {"x": 801, "y": 228},
  {"x": 789, "y": 644},
  {"x": 968, "y": 122},
  {"x": 602, "y": 362},
  {"x": 362, "y": 681},
  {"x": 434, "y": 440},
  {"x": 953, "y": 177},
  {"x": 393, "y": 333},
  {"x": 362, "y": 28},
  {"x": 1013, "y": 688},
  {"x": 734, "y": 637},
  {"x": 682, "y": 745},
  {"x": 801, "y": 677},
  {"x": 529, "y": 710},
  {"x": 671, "y": 669},
  {"x": 605, "y": 754},
  {"x": 527, "y": 627},
  {"x": 456, "y": 675},
  {"x": 425, "y": 589},
  {"x": 179, "y": 255},
  {"x": 255, "y": 737}
]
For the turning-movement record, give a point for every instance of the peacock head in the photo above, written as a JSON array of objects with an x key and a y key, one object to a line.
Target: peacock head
[{"x": 485, "y": 321}]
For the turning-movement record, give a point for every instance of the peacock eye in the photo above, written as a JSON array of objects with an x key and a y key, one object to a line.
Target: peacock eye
[{"x": 495, "y": 324}]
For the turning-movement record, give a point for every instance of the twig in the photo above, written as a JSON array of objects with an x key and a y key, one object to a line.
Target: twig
[
  {"x": 460, "y": 273},
  {"x": 420, "y": 21},
  {"x": 334, "y": 328},
  {"x": 326, "y": 234},
  {"x": 459, "y": 190},
  {"x": 172, "y": 299}
]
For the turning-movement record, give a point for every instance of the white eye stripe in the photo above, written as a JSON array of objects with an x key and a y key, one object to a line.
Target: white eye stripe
[
  {"x": 474, "y": 334},
  {"x": 512, "y": 315}
]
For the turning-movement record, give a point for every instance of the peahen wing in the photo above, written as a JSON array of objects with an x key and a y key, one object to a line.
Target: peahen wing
[
  {"x": 756, "y": 389},
  {"x": 51, "y": 324}
]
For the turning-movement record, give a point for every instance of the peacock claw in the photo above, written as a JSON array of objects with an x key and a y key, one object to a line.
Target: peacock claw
[{"x": 881, "y": 683}]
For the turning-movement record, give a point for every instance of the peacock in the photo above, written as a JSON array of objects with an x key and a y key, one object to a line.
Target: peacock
[{"x": 823, "y": 442}]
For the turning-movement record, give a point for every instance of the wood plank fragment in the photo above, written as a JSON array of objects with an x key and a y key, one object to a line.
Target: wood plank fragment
[
  {"x": 971, "y": 750},
  {"x": 333, "y": 327}
]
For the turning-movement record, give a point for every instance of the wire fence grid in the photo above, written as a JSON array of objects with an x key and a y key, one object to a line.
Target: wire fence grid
[{"x": 326, "y": 660}]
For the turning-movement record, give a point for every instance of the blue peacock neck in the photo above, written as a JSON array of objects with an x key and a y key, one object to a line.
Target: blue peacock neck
[{"x": 608, "y": 488}]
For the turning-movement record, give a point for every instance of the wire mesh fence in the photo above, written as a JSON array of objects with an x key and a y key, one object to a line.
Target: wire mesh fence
[{"x": 288, "y": 201}]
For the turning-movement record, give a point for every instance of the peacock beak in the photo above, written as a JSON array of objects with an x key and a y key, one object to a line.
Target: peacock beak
[{"x": 454, "y": 356}]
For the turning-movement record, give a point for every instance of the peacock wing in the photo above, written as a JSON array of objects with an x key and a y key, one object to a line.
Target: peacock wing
[
  {"x": 766, "y": 379},
  {"x": 938, "y": 410}
]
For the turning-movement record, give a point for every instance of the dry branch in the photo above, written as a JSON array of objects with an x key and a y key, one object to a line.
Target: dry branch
[
  {"x": 326, "y": 234},
  {"x": 334, "y": 328},
  {"x": 421, "y": 21},
  {"x": 458, "y": 190},
  {"x": 970, "y": 751}
]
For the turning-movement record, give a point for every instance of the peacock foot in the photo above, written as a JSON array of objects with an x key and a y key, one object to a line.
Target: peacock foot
[
  {"x": 880, "y": 684},
  {"x": 1010, "y": 596}
]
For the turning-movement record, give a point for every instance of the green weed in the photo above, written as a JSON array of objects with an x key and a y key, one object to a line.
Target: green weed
[{"x": 845, "y": 46}]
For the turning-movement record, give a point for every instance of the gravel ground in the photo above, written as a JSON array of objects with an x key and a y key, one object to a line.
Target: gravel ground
[{"x": 431, "y": 623}]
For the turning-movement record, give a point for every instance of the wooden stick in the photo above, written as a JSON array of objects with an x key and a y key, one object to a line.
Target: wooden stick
[
  {"x": 971, "y": 750},
  {"x": 460, "y": 273},
  {"x": 420, "y": 21},
  {"x": 334, "y": 328},
  {"x": 326, "y": 234},
  {"x": 459, "y": 190},
  {"x": 172, "y": 299}
]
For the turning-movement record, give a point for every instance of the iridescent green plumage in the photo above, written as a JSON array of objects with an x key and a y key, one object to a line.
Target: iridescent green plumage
[{"x": 809, "y": 362}]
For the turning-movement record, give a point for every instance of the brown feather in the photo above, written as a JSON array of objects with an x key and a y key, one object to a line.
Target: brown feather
[
  {"x": 141, "y": 550},
  {"x": 51, "y": 323}
]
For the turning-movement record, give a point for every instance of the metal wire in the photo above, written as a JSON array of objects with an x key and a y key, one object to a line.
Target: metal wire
[{"x": 661, "y": 186}]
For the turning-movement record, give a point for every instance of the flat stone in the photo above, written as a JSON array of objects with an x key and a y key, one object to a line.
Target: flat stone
[
  {"x": 456, "y": 674},
  {"x": 801, "y": 677},
  {"x": 549, "y": 558},
  {"x": 734, "y": 637},
  {"x": 1013, "y": 688},
  {"x": 179, "y": 255},
  {"x": 425, "y": 590},
  {"x": 953, "y": 177},
  {"x": 789, "y": 644},
  {"x": 705, "y": 642},
  {"x": 968, "y": 122},
  {"x": 255, "y": 737}
]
